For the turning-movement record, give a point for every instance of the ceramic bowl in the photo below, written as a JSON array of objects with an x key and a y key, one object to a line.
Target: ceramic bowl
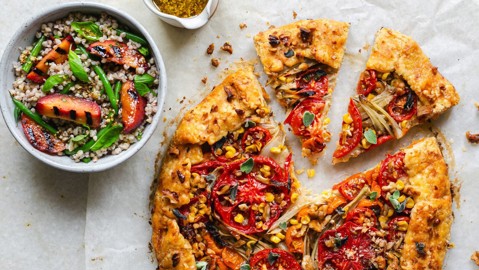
[
  {"x": 25, "y": 37},
  {"x": 188, "y": 23}
]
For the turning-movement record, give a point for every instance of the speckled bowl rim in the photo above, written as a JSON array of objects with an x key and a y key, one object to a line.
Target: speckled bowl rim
[{"x": 6, "y": 67}]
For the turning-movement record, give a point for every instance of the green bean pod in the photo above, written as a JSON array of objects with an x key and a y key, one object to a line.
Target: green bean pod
[
  {"x": 117, "y": 90},
  {"x": 106, "y": 84},
  {"x": 35, "y": 117},
  {"x": 133, "y": 37},
  {"x": 34, "y": 53},
  {"x": 67, "y": 88}
]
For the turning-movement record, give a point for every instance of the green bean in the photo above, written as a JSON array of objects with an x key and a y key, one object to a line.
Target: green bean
[
  {"x": 35, "y": 117},
  {"x": 133, "y": 37},
  {"x": 34, "y": 53},
  {"x": 117, "y": 90},
  {"x": 106, "y": 84},
  {"x": 67, "y": 87}
]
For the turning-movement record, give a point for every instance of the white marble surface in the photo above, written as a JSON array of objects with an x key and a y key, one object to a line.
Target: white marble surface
[{"x": 50, "y": 219}]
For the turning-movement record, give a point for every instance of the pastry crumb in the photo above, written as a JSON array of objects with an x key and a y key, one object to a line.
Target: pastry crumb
[
  {"x": 227, "y": 48},
  {"x": 475, "y": 257},
  {"x": 294, "y": 15},
  {"x": 476, "y": 104},
  {"x": 215, "y": 62},
  {"x": 472, "y": 138},
  {"x": 299, "y": 171},
  {"x": 242, "y": 26},
  {"x": 211, "y": 49},
  {"x": 204, "y": 80}
]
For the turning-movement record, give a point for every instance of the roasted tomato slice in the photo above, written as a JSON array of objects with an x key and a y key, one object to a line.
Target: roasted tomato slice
[
  {"x": 345, "y": 248},
  {"x": 274, "y": 259},
  {"x": 312, "y": 82},
  {"x": 396, "y": 229},
  {"x": 381, "y": 140},
  {"x": 362, "y": 216},
  {"x": 367, "y": 82},
  {"x": 251, "y": 202},
  {"x": 348, "y": 142},
  {"x": 118, "y": 52},
  {"x": 295, "y": 244},
  {"x": 392, "y": 169},
  {"x": 132, "y": 107},
  {"x": 295, "y": 117},
  {"x": 403, "y": 107},
  {"x": 206, "y": 167},
  {"x": 351, "y": 186},
  {"x": 70, "y": 108},
  {"x": 58, "y": 54},
  {"x": 40, "y": 138},
  {"x": 254, "y": 139}
]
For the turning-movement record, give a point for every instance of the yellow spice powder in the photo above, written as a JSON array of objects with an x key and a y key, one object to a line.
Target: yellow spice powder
[{"x": 181, "y": 8}]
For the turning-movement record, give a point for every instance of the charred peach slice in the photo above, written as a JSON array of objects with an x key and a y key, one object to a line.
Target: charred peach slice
[
  {"x": 78, "y": 110},
  {"x": 58, "y": 54},
  {"x": 118, "y": 52},
  {"x": 132, "y": 107},
  {"x": 40, "y": 138}
]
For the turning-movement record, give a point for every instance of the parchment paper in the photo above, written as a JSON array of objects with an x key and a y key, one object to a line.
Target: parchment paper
[{"x": 56, "y": 220}]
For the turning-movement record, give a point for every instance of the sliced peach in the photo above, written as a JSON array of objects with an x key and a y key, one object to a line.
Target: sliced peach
[
  {"x": 40, "y": 138},
  {"x": 58, "y": 54},
  {"x": 132, "y": 107},
  {"x": 118, "y": 52},
  {"x": 78, "y": 110}
]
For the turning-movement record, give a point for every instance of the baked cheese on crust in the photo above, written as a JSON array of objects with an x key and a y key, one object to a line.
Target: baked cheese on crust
[
  {"x": 238, "y": 97},
  {"x": 393, "y": 51},
  {"x": 431, "y": 217}
]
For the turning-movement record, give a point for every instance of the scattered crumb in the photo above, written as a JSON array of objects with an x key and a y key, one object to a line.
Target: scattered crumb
[
  {"x": 242, "y": 26},
  {"x": 366, "y": 46},
  {"x": 475, "y": 257},
  {"x": 227, "y": 48},
  {"x": 456, "y": 186},
  {"x": 215, "y": 62},
  {"x": 476, "y": 104},
  {"x": 294, "y": 15},
  {"x": 472, "y": 138},
  {"x": 97, "y": 259},
  {"x": 204, "y": 80},
  {"x": 210, "y": 49},
  {"x": 28, "y": 225},
  {"x": 218, "y": 36},
  {"x": 299, "y": 171},
  {"x": 310, "y": 173}
]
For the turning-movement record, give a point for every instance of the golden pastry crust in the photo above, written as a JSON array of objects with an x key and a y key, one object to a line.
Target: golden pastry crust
[
  {"x": 431, "y": 217},
  {"x": 325, "y": 44},
  {"x": 224, "y": 110},
  {"x": 393, "y": 51}
]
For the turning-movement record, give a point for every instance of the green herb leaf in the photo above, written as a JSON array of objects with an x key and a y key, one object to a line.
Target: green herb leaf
[
  {"x": 67, "y": 88},
  {"x": 145, "y": 78},
  {"x": 420, "y": 248},
  {"x": 371, "y": 136},
  {"x": 234, "y": 192},
  {"x": 247, "y": 166},
  {"x": 89, "y": 30},
  {"x": 79, "y": 138},
  {"x": 144, "y": 51},
  {"x": 86, "y": 160},
  {"x": 373, "y": 195},
  {"x": 272, "y": 257},
  {"x": 245, "y": 266},
  {"x": 396, "y": 195},
  {"x": 53, "y": 81},
  {"x": 398, "y": 207},
  {"x": 283, "y": 225},
  {"x": 76, "y": 67},
  {"x": 109, "y": 137},
  {"x": 201, "y": 265},
  {"x": 308, "y": 118},
  {"x": 340, "y": 241},
  {"x": 249, "y": 124},
  {"x": 17, "y": 113},
  {"x": 340, "y": 211},
  {"x": 142, "y": 88},
  {"x": 178, "y": 214}
]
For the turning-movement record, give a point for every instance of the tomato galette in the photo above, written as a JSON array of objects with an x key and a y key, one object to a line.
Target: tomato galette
[{"x": 302, "y": 61}]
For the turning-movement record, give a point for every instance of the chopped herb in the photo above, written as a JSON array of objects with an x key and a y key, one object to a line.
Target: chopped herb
[
  {"x": 67, "y": 88},
  {"x": 340, "y": 211},
  {"x": 139, "y": 135},
  {"x": 249, "y": 124},
  {"x": 144, "y": 51},
  {"x": 178, "y": 214},
  {"x": 210, "y": 177},
  {"x": 142, "y": 83},
  {"x": 273, "y": 40},
  {"x": 89, "y": 30},
  {"x": 396, "y": 195},
  {"x": 219, "y": 143},
  {"x": 234, "y": 192},
  {"x": 409, "y": 101},
  {"x": 86, "y": 160},
  {"x": 371, "y": 136},
  {"x": 399, "y": 207},
  {"x": 373, "y": 195},
  {"x": 272, "y": 257},
  {"x": 308, "y": 118},
  {"x": 76, "y": 67},
  {"x": 420, "y": 248},
  {"x": 247, "y": 166},
  {"x": 283, "y": 225},
  {"x": 79, "y": 138},
  {"x": 289, "y": 53},
  {"x": 53, "y": 81},
  {"x": 201, "y": 265},
  {"x": 340, "y": 241},
  {"x": 245, "y": 266}
]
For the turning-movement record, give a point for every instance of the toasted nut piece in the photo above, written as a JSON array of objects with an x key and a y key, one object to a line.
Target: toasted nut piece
[{"x": 210, "y": 49}]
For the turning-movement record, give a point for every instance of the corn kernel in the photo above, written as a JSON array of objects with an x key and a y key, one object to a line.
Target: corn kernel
[
  {"x": 330, "y": 90},
  {"x": 298, "y": 226},
  {"x": 280, "y": 236},
  {"x": 239, "y": 218},
  {"x": 310, "y": 173},
  {"x": 347, "y": 118},
  {"x": 371, "y": 96},
  {"x": 293, "y": 221},
  {"x": 275, "y": 150},
  {"x": 410, "y": 203},
  {"x": 230, "y": 151},
  {"x": 296, "y": 184},
  {"x": 251, "y": 148},
  {"x": 305, "y": 220},
  {"x": 365, "y": 143},
  {"x": 275, "y": 239},
  {"x": 294, "y": 197},
  {"x": 282, "y": 78},
  {"x": 265, "y": 171},
  {"x": 402, "y": 198},
  {"x": 385, "y": 76},
  {"x": 259, "y": 224},
  {"x": 346, "y": 127},
  {"x": 269, "y": 197},
  {"x": 402, "y": 225},
  {"x": 327, "y": 120},
  {"x": 251, "y": 243},
  {"x": 403, "y": 124},
  {"x": 390, "y": 212},
  {"x": 382, "y": 221},
  {"x": 399, "y": 185}
]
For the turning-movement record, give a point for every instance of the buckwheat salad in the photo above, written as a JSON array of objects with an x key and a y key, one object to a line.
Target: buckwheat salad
[{"x": 86, "y": 88}]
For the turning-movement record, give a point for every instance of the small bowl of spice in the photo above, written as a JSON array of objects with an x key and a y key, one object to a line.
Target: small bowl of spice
[{"x": 189, "y": 14}]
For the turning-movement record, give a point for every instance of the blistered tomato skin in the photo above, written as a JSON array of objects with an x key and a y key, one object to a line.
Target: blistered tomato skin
[
  {"x": 274, "y": 259},
  {"x": 350, "y": 142},
  {"x": 132, "y": 107}
]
